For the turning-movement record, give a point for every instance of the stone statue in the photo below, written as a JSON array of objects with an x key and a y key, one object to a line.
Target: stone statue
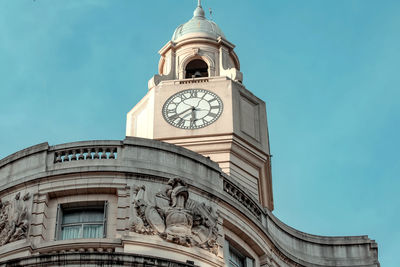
[
  {"x": 173, "y": 216},
  {"x": 14, "y": 224}
]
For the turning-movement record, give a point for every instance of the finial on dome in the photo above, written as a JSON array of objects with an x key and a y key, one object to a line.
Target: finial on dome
[{"x": 199, "y": 12}]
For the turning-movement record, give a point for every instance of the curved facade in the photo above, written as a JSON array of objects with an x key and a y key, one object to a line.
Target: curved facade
[
  {"x": 135, "y": 175},
  {"x": 185, "y": 188}
]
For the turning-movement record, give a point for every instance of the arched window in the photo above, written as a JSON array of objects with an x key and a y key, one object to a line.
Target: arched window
[{"x": 196, "y": 68}]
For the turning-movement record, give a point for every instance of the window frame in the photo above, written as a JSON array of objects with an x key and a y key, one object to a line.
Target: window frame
[
  {"x": 61, "y": 208},
  {"x": 229, "y": 248}
]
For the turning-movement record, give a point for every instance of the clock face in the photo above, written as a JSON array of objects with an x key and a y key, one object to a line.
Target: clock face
[{"x": 192, "y": 109}]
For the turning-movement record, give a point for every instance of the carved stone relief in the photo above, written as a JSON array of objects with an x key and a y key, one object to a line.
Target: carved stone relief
[
  {"x": 14, "y": 224},
  {"x": 173, "y": 216}
]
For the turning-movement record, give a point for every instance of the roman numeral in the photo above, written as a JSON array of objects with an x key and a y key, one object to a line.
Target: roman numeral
[
  {"x": 173, "y": 116},
  {"x": 194, "y": 94},
  {"x": 214, "y": 107},
  {"x": 181, "y": 122},
  {"x": 192, "y": 123}
]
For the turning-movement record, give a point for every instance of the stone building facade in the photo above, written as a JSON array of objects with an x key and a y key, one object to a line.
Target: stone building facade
[{"x": 189, "y": 186}]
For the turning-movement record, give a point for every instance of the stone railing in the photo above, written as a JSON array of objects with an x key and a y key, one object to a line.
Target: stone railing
[
  {"x": 243, "y": 198},
  {"x": 85, "y": 153}
]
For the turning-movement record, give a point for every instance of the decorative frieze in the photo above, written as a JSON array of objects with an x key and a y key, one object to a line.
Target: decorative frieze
[
  {"x": 173, "y": 216},
  {"x": 14, "y": 219},
  {"x": 187, "y": 81},
  {"x": 243, "y": 198}
]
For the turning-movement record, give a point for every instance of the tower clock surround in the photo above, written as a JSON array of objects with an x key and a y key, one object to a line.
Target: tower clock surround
[{"x": 192, "y": 109}]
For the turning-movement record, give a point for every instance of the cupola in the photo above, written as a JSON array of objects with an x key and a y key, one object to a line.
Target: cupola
[
  {"x": 198, "y": 49},
  {"x": 198, "y": 26}
]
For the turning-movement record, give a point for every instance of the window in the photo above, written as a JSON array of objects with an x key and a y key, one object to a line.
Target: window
[
  {"x": 196, "y": 68},
  {"x": 75, "y": 220},
  {"x": 235, "y": 258}
]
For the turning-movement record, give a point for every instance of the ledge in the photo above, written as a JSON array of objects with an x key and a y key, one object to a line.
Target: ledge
[
  {"x": 24, "y": 153},
  {"x": 155, "y": 144},
  {"x": 97, "y": 258},
  {"x": 318, "y": 239},
  {"x": 84, "y": 244}
]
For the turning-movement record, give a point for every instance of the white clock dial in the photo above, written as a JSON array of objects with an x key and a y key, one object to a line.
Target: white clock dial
[{"x": 192, "y": 109}]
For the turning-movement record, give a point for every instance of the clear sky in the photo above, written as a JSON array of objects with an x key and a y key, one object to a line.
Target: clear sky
[{"x": 70, "y": 70}]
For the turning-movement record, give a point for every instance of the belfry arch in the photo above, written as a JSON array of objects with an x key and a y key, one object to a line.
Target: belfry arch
[{"x": 196, "y": 68}]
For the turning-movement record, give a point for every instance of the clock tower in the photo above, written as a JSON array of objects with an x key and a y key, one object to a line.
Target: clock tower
[{"x": 198, "y": 101}]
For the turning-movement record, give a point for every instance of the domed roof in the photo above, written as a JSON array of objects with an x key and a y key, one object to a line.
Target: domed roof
[{"x": 198, "y": 26}]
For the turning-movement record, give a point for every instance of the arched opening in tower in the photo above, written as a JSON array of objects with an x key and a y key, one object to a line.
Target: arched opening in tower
[{"x": 196, "y": 68}]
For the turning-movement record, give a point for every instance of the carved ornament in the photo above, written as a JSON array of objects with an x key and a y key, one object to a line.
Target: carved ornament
[
  {"x": 14, "y": 224},
  {"x": 173, "y": 216}
]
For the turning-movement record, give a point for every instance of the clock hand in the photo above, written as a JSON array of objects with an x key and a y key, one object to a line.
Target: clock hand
[
  {"x": 173, "y": 117},
  {"x": 192, "y": 114},
  {"x": 186, "y": 115},
  {"x": 193, "y": 117}
]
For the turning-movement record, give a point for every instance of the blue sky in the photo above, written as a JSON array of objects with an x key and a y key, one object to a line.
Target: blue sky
[{"x": 328, "y": 71}]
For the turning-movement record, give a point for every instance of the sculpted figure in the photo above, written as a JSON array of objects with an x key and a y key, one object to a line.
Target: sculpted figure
[
  {"x": 144, "y": 219},
  {"x": 14, "y": 224},
  {"x": 4, "y": 225},
  {"x": 205, "y": 228},
  {"x": 175, "y": 217},
  {"x": 3, "y": 215},
  {"x": 138, "y": 205}
]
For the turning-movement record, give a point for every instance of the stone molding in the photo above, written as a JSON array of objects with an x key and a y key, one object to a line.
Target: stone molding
[
  {"x": 108, "y": 245},
  {"x": 110, "y": 259},
  {"x": 238, "y": 194}
]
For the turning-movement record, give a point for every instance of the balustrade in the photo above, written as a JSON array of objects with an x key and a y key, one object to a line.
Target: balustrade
[{"x": 87, "y": 153}]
